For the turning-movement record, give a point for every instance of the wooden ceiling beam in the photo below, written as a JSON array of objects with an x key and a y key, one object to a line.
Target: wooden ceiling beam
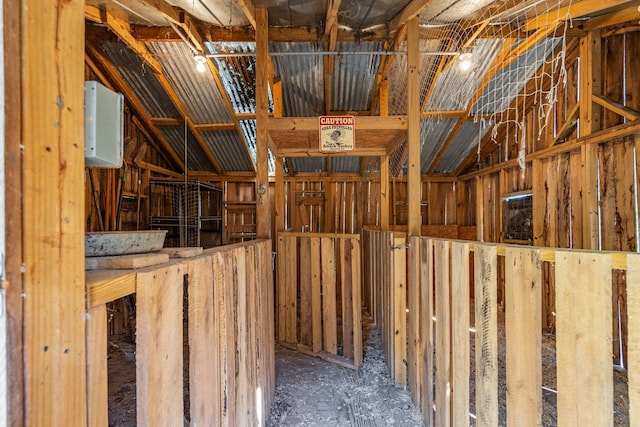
[
  {"x": 307, "y": 124},
  {"x": 621, "y": 16},
  {"x": 574, "y": 10}
]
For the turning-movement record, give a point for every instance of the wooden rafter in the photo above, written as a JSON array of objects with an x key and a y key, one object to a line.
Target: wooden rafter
[
  {"x": 575, "y": 10},
  {"x": 410, "y": 11},
  {"x": 330, "y": 43}
]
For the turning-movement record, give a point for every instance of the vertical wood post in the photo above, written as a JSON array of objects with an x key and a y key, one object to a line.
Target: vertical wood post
[
  {"x": 590, "y": 84},
  {"x": 384, "y": 193},
  {"x": 279, "y": 208},
  {"x": 263, "y": 210},
  {"x": 413, "y": 127},
  {"x": 53, "y": 194}
]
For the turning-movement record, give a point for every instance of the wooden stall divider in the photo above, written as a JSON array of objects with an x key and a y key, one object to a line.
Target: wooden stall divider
[
  {"x": 204, "y": 361},
  {"x": 523, "y": 331},
  {"x": 159, "y": 345},
  {"x": 97, "y": 368},
  {"x": 460, "y": 312},
  {"x": 442, "y": 259},
  {"x": 486, "y": 316},
  {"x": 399, "y": 298},
  {"x": 414, "y": 324},
  {"x": 320, "y": 309},
  {"x": 329, "y": 314},
  {"x": 426, "y": 312},
  {"x": 584, "y": 318}
]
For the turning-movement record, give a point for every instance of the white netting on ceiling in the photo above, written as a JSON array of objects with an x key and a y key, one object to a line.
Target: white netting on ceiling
[{"x": 490, "y": 56}]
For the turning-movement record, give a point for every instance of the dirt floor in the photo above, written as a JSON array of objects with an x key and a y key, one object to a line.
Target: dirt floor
[{"x": 314, "y": 392}]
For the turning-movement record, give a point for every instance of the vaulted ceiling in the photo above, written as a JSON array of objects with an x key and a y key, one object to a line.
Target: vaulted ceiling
[{"x": 327, "y": 58}]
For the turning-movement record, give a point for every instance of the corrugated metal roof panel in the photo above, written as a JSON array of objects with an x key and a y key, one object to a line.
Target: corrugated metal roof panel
[
  {"x": 221, "y": 13},
  {"x": 299, "y": 13},
  {"x": 227, "y": 147},
  {"x": 307, "y": 164},
  {"x": 238, "y": 74},
  {"x": 509, "y": 82},
  {"x": 302, "y": 79},
  {"x": 140, "y": 79},
  {"x": 132, "y": 11},
  {"x": 345, "y": 164},
  {"x": 197, "y": 160},
  {"x": 433, "y": 134},
  {"x": 444, "y": 11},
  {"x": 469, "y": 136},
  {"x": 354, "y": 76},
  {"x": 249, "y": 131},
  {"x": 454, "y": 88},
  {"x": 197, "y": 92},
  {"x": 398, "y": 75},
  {"x": 359, "y": 15}
]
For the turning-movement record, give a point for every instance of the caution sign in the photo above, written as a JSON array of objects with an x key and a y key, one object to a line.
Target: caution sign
[{"x": 337, "y": 133}]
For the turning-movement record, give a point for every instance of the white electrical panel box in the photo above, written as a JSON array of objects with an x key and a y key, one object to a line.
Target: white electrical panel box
[{"x": 103, "y": 126}]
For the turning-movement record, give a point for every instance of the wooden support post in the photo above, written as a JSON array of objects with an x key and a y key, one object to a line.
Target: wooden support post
[
  {"x": 584, "y": 338},
  {"x": 590, "y": 85},
  {"x": 277, "y": 97},
  {"x": 524, "y": 336},
  {"x": 53, "y": 295},
  {"x": 280, "y": 207},
  {"x": 384, "y": 193},
  {"x": 413, "y": 127},
  {"x": 539, "y": 203},
  {"x": 263, "y": 210},
  {"x": 479, "y": 209},
  {"x": 384, "y": 97}
]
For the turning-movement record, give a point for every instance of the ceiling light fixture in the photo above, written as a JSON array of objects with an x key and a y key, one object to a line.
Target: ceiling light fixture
[
  {"x": 201, "y": 62},
  {"x": 465, "y": 61}
]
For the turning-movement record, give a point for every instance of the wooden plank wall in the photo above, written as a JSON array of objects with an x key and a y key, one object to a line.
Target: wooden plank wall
[
  {"x": 319, "y": 294},
  {"x": 584, "y": 367},
  {"x": 231, "y": 377}
]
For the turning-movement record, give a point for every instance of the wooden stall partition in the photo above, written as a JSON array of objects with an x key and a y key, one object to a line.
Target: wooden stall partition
[
  {"x": 585, "y": 381},
  {"x": 460, "y": 340},
  {"x": 398, "y": 305},
  {"x": 426, "y": 333},
  {"x": 523, "y": 335},
  {"x": 319, "y": 295},
  {"x": 159, "y": 358},
  {"x": 230, "y": 337},
  {"x": 486, "y": 322},
  {"x": 442, "y": 272}
]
